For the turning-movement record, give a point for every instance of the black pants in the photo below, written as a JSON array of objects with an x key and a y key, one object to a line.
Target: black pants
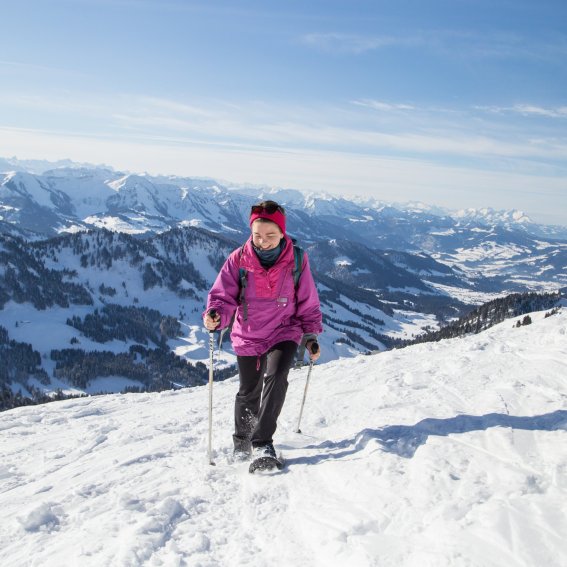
[{"x": 261, "y": 396}]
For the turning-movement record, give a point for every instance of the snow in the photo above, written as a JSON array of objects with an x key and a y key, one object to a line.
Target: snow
[
  {"x": 464, "y": 295},
  {"x": 491, "y": 216},
  {"x": 444, "y": 454},
  {"x": 449, "y": 232},
  {"x": 27, "y": 185},
  {"x": 343, "y": 261},
  {"x": 491, "y": 250},
  {"x": 491, "y": 259},
  {"x": 115, "y": 224},
  {"x": 365, "y": 218}
]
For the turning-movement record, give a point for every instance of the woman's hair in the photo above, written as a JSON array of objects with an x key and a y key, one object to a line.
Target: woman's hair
[
  {"x": 270, "y": 205},
  {"x": 268, "y": 211}
]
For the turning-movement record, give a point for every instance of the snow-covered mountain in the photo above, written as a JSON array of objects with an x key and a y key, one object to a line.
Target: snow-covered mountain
[
  {"x": 514, "y": 252},
  {"x": 68, "y": 199},
  {"x": 78, "y": 307},
  {"x": 41, "y": 166},
  {"x": 511, "y": 220},
  {"x": 385, "y": 273},
  {"x": 452, "y": 454}
]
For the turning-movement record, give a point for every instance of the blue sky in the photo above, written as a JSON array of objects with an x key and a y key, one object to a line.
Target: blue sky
[{"x": 458, "y": 103}]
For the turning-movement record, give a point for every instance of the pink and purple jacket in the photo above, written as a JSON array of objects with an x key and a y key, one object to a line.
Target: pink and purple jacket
[{"x": 277, "y": 311}]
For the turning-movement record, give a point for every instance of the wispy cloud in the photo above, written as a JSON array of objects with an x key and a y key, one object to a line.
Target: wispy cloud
[
  {"x": 447, "y": 42},
  {"x": 421, "y": 132},
  {"x": 507, "y": 45},
  {"x": 363, "y": 126},
  {"x": 281, "y": 144},
  {"x": 171, "y": 106},
  {"x": 388, "y": 178},
  {"x": 352, "y": 43},
  {"x": 383, "y": 106},
  {"x": 527, "y": 110}
]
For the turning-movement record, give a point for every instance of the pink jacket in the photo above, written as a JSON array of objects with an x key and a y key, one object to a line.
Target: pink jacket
[{"x": 276, "y": 310}]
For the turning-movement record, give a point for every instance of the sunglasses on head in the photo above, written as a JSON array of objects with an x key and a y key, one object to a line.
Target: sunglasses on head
[{"x": 270, "y": 209}]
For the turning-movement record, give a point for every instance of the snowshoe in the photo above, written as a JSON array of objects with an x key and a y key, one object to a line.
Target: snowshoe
[{"x": 265, "y": 459}]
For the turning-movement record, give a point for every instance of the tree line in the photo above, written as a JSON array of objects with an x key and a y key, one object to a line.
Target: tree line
[
  {"x": 140, "y": 324},
  {"x": 19, "y": 362},
  {"x": 490, "y": 314},
  {"x": 26, "y": 279},
  {"x": 10, "y": 399},
  {"x": 157, "y": 369}
]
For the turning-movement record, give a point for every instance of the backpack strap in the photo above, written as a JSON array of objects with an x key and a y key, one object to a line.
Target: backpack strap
[
  {"x": 242, "y": 275},
  {"x": 298, "y": 264}
]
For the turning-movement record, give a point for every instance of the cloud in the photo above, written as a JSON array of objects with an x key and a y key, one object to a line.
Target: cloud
[
  {"x": 388, "y": 178},
  {"x": 527, "y": 110},
  {"x": 383, "y": 106},
  {"x": 449, "y": 43},
  {"x": 247, "y": 129},
  {"x": 174, "y": 106},
  {"x": 363, "y": 126},
  {"x": 353, "y": 43},
  {"x": 449, "y": 157}
]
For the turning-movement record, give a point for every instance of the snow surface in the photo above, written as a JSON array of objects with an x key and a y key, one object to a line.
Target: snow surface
[
  {"x": 444, "y": 454},
  {"x": 27, "y": 185}
]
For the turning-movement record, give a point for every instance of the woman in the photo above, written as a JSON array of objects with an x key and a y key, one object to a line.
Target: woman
[{"x": 273, "y": 313}]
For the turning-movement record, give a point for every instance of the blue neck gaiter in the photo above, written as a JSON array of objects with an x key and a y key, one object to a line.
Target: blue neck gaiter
[{"x": 269, "y": 257}]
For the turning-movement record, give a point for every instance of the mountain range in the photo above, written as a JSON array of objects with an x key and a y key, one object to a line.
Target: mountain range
[
  {"x": 92, "y": 246},
  {"x": 67, "y": 199}
]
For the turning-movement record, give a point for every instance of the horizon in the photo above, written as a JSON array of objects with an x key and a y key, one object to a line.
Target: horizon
[
  {"x": 431, "y": 208},
  {"x": 457, "y": 106}
]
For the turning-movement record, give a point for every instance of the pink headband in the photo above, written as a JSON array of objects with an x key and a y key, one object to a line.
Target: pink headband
[{"x": 277, "y": 217}]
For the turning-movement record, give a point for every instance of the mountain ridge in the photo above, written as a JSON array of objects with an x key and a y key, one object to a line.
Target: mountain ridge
[
  {"x": 72, "y": 200},
  {"x": 314, "y": 203},
  {"x": 117, "y": 241}
]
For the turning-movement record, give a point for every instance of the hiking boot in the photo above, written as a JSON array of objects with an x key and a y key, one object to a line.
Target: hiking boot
[{"x": 264, "y": 451}]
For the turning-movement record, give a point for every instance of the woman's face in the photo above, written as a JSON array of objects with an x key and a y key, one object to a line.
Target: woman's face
[{"x": 266, "y": 235}]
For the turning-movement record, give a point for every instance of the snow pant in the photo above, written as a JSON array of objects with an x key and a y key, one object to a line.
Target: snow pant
[{"x": 261, "y": 395}]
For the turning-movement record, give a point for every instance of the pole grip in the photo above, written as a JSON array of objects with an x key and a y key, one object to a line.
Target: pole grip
[{"x": 212, "y": 313}]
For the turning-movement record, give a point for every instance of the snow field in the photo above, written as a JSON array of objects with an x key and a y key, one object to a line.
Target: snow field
[{"x": 443, "y": 454}]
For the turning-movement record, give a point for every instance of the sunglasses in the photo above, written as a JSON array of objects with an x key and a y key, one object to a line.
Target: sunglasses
[{"x": 270, "y": 209}]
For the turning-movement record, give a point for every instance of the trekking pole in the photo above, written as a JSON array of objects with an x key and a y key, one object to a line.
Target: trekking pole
[
  {"x": 314, "y": 349},
  {"x": 212, "y": 314}
]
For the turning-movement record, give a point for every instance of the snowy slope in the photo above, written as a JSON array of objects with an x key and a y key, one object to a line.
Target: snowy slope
[{"x": 444, "y": 454}]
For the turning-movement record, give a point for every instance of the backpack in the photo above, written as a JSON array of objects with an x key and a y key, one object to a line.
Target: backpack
[{"x": 243, "y": 274}]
